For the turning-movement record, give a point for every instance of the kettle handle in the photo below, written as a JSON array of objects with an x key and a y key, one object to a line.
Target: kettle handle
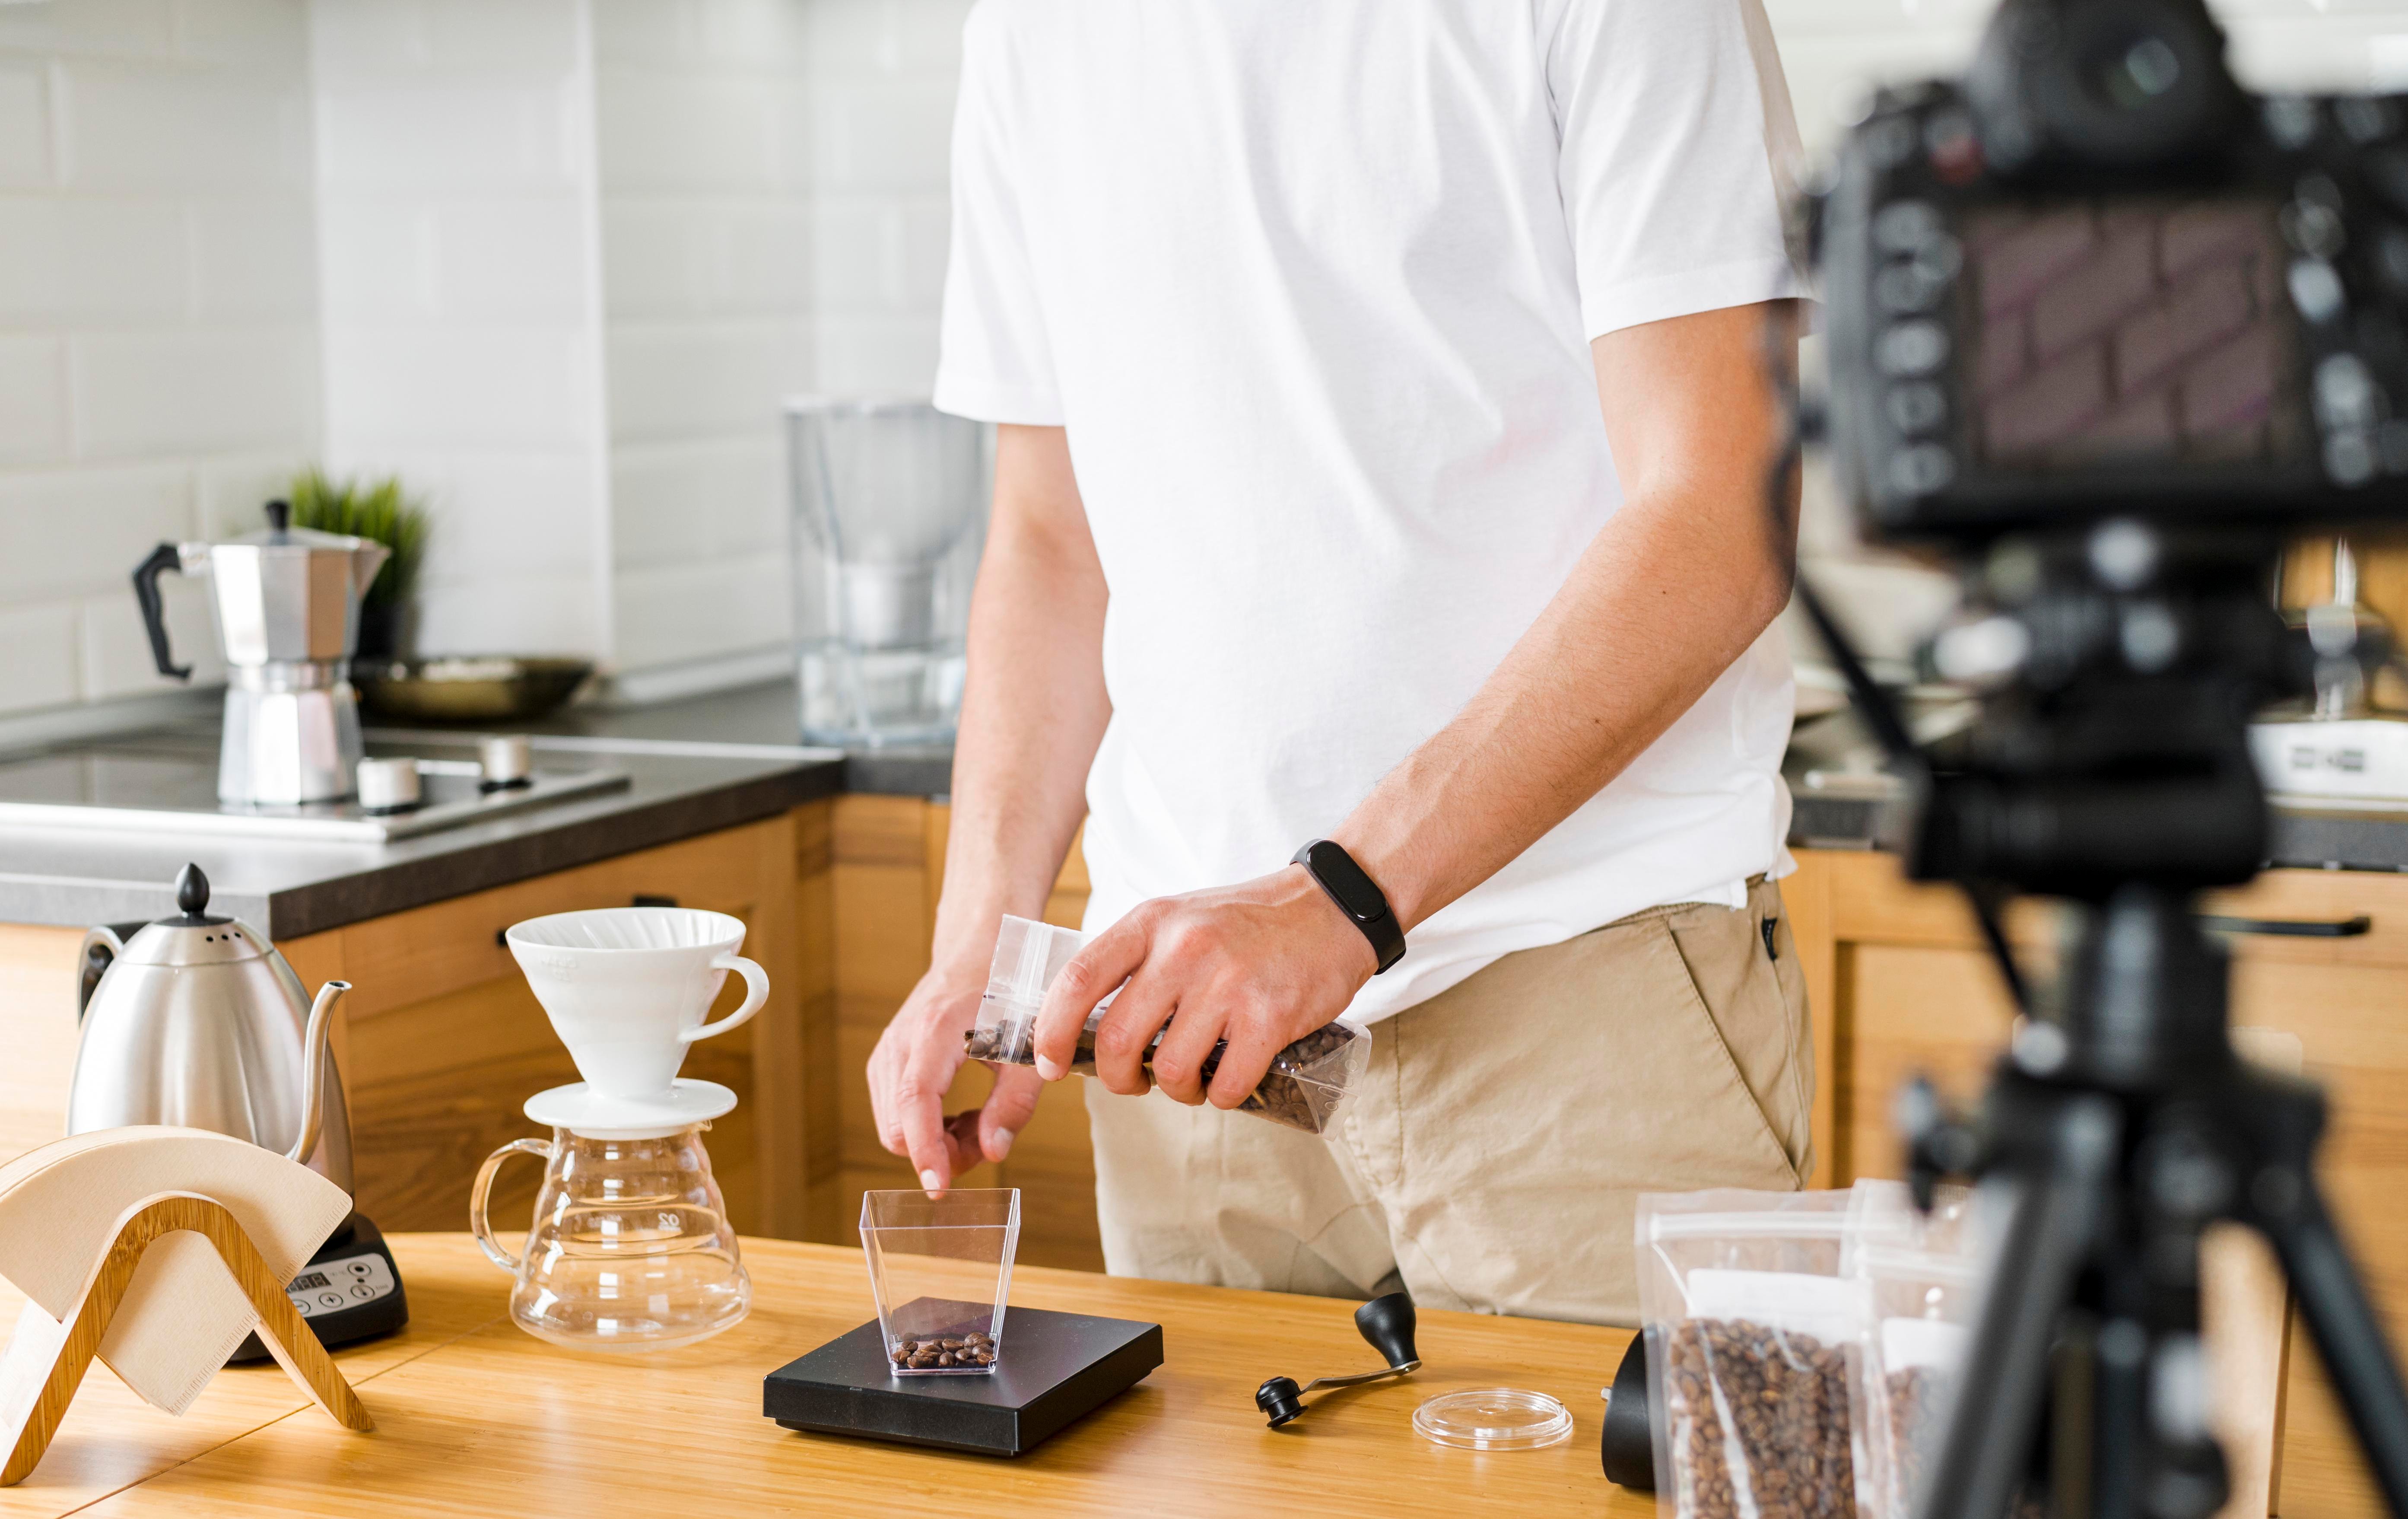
[
  {"x": 154, "y": 611},
  {"x": 479, "y": 1223}
]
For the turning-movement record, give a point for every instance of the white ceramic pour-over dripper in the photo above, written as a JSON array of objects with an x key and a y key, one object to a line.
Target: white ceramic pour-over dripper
[{"x": 628, "y": 989}]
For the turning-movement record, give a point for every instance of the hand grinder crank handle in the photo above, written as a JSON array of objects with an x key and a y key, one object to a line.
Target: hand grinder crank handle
[{"x": 1387, "y": 1322}]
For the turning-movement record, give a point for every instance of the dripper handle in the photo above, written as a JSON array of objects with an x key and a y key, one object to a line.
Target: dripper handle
[
  {"x": 479, "y": 1223},
  {"x": 756, "y": 991}
]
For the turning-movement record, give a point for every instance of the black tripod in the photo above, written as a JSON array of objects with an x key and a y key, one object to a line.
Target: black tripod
[{"x": 2122, "y": 1123}]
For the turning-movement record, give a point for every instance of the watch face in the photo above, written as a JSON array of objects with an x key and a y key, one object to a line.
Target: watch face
[{"x": 1346, "y": 881}]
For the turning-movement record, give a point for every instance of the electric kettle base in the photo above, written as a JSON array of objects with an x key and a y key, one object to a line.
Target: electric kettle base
[{"x": 350, "y": 1291}]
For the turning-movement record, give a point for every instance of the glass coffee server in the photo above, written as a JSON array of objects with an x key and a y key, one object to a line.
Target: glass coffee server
[{"x": 890, "y": 500}]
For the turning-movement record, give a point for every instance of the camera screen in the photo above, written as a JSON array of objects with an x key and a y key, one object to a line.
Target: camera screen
[{"x": 2129, "y": 331}]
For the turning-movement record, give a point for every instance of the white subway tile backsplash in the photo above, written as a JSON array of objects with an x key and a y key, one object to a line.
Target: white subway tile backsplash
[
  {"x": 858, "y": 253},
  {"x": 523, "y": 258},
  {"x": 449, "y": 137},
  {"x": 681, "y": 503},
  {"x": 102, "y": 28},
  {"x": 253, "y": 258},
  {"x": 758, "y": 35},
  {"x": 498, "y": 513},
  {"x": 769, "y": 259},
  {"x": 376, "y": 256},
  {"x": 380, "y": 38},
  {"x": 29, "y": 260},
  {"x": 890, "y": 138},
  {"x": 514, "y": 614},
  {"x": 133, "y": 126},
  {"x": 72, "y": 533},
  {"x": 162, "y": 393},
  {"x": 231, "y": 493},
  {"x": 260, "y": 32},
  {"x": 928, "y": 36},
  {"x": 122, "y": 263},
  {"x": 695, "y": 611},
  {"x": 680, "y": 380},
  {"x": 869, "y": 355},
  {"x": 32, "y": 401},
  {"x": 471, "y": 388},
  {"x": 660, "y": 259},
  {"x": 39, "y": 670},
  {"x": 24, "y": 124},
  {"x": 676, "y": 132},
  {"x": 115, "y": 650}
]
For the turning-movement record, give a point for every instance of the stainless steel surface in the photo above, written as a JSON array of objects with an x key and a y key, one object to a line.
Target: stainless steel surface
[
  {"x": 386, "y": 784},
  {"x": 286, "y": 596},
  {"x": 505, "y": 757},
  {"x": 313, "y": 1058},
  {"x": 94, "y": 792},
  {"x": 289, "y": 738},
  {"x": 200, "y": 1023},
  {"x": 287, "y": 605}
]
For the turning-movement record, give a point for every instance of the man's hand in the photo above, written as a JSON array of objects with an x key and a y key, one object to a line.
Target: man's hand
[
  {"x": 913, "y": 1067},
  {"x": 1260, "y": 964}
]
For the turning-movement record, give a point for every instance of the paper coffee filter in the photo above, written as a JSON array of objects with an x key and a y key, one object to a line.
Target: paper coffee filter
[{"x": 630, "y": 928}]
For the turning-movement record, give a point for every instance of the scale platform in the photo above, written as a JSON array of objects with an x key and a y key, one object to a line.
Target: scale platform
[{"x": 1055, "y": 1368}]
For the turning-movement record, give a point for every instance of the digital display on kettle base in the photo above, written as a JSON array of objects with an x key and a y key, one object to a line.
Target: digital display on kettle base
[{"x": 308, "y": 1279}]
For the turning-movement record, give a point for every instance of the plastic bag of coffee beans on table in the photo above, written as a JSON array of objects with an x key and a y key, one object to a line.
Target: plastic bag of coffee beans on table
[
  {"x": 1303, "y": 1089},
  {"x": 1920, "y": 1277},
  {"x": 1749, "y": 1325}
]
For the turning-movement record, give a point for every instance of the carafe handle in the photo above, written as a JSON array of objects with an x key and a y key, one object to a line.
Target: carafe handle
[
  {"x": 756, "y": 991},
  {"x": 482, "y": 1226}
]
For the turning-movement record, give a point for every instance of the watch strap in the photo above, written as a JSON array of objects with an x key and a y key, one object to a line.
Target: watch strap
[{"x": 1358, "y": 896}]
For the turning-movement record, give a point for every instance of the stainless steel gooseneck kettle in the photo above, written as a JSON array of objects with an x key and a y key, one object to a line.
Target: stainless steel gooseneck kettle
[{"x": 196, "y": 1020}]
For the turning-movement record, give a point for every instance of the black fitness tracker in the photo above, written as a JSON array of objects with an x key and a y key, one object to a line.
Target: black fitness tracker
[{"x": 1358, "y": 896}]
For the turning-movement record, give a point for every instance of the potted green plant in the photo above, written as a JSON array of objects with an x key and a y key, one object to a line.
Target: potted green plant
[{"x": 382, "y": 511}]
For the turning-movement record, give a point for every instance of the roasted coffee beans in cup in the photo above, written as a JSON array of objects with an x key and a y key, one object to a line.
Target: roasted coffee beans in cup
[{"x": 944, "y": 1353}]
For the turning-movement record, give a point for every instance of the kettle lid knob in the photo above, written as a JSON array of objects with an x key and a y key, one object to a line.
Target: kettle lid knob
[
  {"x": 280, "y": 517},
  {"x": 192, "y": 890}
]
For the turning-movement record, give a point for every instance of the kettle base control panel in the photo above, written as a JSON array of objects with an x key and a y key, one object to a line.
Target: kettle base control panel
[{"x": 330, "y": 1286}]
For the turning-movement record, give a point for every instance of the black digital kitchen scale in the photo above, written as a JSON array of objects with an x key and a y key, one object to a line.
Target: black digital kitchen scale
[
  {"x": 350, "y": 1291},
  {"x": 1055, "y": 1368}
]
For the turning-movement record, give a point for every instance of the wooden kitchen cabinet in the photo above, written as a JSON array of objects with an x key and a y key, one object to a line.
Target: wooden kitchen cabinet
[
  {"x": 1901, "y": 985},
  {"x": 889, "y": 861},
  {"x": 440, "y": 1041}
]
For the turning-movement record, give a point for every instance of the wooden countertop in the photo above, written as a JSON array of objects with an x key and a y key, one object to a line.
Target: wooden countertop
[{"x": 475, "y": 1417}]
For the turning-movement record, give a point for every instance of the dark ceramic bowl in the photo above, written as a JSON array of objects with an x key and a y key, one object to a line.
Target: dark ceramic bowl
[{"x": 466, "y": 687}]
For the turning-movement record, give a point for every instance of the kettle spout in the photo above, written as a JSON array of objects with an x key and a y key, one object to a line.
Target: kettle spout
[{"x": 314, "y": 1069}]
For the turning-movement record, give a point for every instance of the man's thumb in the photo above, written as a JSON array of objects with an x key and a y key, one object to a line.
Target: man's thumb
[{"x": 1008, "y": 1108}]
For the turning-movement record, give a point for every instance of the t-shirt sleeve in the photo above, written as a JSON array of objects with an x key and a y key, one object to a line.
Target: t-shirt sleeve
[
  {"x": 1679, "y": 157},
  {"x": 993, "y": 363}
]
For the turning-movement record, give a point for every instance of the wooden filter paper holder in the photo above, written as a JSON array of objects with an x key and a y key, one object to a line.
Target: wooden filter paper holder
[{"x": 157, "y": 1250}]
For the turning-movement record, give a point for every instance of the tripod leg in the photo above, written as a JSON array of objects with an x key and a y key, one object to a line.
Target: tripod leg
[
  {"x": 2051, "y": 1225},
  {"x": 2348, "y": 1336}
]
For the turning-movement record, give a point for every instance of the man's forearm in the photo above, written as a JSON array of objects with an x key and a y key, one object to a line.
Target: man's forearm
[
  {"x": 1676, "y": 586},
  {"x": 1033, "y": 709}
]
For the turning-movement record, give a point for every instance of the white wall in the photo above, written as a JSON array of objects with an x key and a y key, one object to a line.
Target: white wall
[
  {"x": 707, "y": 253},
  {"x": 458, "y": 199},
  {"x": 158, "y": 364}
]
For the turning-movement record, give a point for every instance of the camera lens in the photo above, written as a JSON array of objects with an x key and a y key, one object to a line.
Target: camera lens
[{"x": 2138, "y": 73}]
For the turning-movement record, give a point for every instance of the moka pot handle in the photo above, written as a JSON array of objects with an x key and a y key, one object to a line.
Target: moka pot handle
[{"x": 154, "y": 613}]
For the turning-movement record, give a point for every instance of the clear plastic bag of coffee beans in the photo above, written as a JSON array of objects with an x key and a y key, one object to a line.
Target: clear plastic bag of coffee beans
[
  {"x": 1920, "y": 1276},
  {"x": 1304, "y": 1089},
  {"x": 1750, "y": 1325}
]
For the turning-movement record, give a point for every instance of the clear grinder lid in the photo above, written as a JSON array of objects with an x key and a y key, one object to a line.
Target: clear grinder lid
[{"x": 1494, "y": 1419}]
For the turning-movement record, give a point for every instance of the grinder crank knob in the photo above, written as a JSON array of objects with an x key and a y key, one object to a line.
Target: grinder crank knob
[
  {"x": 1281, "y": 1398},
  {"x": 1388, "y": 1324}
]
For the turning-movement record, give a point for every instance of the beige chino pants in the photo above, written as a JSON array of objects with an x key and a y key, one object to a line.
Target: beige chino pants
[{"x": 1492, "y": 1157}]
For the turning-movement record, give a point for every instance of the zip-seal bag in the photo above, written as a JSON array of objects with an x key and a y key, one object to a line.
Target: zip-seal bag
[
  {"x": 1921, "y": 1276},
  {"x": 1748, "y": 1324},
  {"x": 1303, "y": 1090}
]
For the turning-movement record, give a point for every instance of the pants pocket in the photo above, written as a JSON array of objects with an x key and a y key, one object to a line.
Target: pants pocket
[{"x": 1730, "y": 998}]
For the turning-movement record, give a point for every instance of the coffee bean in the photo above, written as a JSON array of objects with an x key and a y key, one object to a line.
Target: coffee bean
[
  {"x": 1753, "y": 1405},
  {"x": 951, "y": 1344}
]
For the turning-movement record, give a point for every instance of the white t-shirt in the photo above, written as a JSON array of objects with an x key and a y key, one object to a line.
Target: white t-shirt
[{"x": 1311, "y": 284}]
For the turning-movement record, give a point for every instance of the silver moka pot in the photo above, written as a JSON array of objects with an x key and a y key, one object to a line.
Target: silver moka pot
[
  {"x": 196, "y": 1020},
  {"x": 288, "y": 616}
]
